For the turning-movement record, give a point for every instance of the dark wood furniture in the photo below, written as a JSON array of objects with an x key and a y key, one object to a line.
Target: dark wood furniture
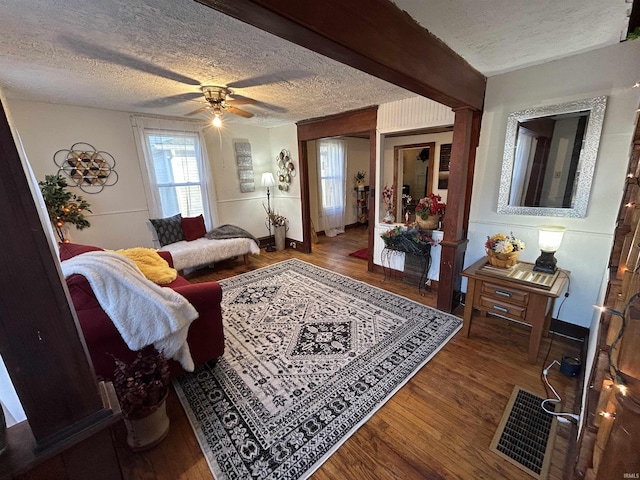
[
  {"x": 511, "y": 299},
  {"x": 362, "y": 203}
]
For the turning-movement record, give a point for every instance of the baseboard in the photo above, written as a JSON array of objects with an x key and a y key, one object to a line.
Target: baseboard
[{"x": 570, "y": 330}]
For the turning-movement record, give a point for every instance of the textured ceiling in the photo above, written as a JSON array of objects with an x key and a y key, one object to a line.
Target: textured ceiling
[
  {"x": 496, "y": 36},
  {"x": 152, "y": 56}
]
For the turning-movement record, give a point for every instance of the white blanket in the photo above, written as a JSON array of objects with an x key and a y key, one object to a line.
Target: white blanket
[
  {"x": 143, "y": 312},
  {"x": 204, "y": 251}
]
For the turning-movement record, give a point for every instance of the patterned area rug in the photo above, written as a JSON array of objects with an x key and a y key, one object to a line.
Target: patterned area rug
[{"x": 310, "y": 356}]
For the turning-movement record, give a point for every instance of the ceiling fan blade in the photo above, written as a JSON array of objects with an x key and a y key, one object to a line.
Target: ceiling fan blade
[
  {"x": 201, "y": 109},
  {"x": 240, "y": 100},
  {"x": 237, "y": 111},
  {"x": 170, "y": 100},
  {"x": 275, "y": 77},
  {"x": 102, "y": 53}
]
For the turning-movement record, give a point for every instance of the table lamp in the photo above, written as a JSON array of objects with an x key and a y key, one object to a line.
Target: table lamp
[{"x": 549, "y": 240}]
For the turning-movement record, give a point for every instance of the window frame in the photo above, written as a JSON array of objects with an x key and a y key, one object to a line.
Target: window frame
[{"x": 142, "y": 127}]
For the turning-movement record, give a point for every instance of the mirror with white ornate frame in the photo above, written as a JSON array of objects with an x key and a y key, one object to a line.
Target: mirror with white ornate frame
[{"x": 549, "y": 158}]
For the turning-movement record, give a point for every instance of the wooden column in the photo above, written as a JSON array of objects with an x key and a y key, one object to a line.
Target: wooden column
[
  {"x": 40, "y": 340},
  {"x": 466, "y": 132},
  {"x": 374, "y": 36}
]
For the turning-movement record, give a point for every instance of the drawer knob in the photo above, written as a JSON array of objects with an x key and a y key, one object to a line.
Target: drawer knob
[
  {"x": 500, "y": 308},
  {"x": 503, "y": 293}
]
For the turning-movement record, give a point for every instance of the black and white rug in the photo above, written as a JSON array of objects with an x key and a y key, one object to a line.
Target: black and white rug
[{"x": 310, "y": 355}]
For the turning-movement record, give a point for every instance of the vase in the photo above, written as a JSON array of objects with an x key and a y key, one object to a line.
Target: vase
[
  {"x": 502, "y": 260},
  {"x": 279, "y": 232},
  {"x": 430, "y": 223},
  {"x": 389, "y": 217},
  {"x": 145, "y": 433}
]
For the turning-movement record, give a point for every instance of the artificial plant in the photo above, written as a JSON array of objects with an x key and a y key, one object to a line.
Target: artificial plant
[
  {"x": 62, "y": 205},
  {"x": 142, "y": 384}
]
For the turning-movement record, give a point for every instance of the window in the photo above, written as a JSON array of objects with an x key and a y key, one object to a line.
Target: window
[
  {"x": 176, "y": 166},
  {"x": 174, "y": 157}
]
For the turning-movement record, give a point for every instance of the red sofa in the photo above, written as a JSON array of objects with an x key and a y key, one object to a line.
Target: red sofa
[{"x": 205, "y": 338}]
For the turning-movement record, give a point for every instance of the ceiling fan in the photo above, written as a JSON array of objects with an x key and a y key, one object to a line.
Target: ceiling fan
[{"x": 217, "y": 98}]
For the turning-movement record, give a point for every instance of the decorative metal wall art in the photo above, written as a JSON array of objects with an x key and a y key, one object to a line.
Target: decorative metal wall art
[
  {"x": 89, "y": 169},
  {"x": 245, "y": 166},
  {"x": 286, "y": 169}
]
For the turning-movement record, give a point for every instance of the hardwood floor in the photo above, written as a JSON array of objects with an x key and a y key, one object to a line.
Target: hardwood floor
[{"x": 439, "y": 425}]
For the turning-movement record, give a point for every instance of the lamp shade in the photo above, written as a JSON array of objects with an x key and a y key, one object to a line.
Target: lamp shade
[
  {"x": 550, "y": 237},
  {"x": 268, "y": 180}
]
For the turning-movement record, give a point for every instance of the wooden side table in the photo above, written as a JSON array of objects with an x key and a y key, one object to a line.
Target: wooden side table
[{"x": 490, "y": 291}]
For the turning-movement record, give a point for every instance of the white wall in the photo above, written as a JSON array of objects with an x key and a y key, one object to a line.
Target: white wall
[
  {"x": 288, "y": 203},
  {"x": 586, "y": 248},
  {"x": 120, "y": 213},
  {"x": 242, "y": 209}
]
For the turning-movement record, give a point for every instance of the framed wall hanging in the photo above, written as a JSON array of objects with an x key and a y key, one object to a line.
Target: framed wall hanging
[{"x": 89, "y": 169}]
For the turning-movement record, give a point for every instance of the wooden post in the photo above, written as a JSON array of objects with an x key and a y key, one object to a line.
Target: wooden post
[
  {"x": 466, "y": 132},
  {"x": 40, "y": 339}
]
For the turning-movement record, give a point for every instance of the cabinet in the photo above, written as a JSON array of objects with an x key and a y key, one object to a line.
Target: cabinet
[
  {"x": 362, "y": 203},
  {"x": 512, "y": 299}
]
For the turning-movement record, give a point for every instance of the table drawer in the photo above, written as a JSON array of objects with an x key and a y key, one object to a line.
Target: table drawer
[
  {"x": 493, "y": 305},
  {"x": 506, "y": 294}
]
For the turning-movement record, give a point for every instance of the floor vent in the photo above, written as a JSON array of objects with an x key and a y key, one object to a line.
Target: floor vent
[{"x": 525, "y": 434}]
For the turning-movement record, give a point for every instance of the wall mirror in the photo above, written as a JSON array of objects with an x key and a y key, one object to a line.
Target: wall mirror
[
  {"x": 549, "y": 159},
  {"x": 413, "y": 169}
]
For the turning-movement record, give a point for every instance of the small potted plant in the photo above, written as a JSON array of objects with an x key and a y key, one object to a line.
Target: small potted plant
[
  {"x": 503, "y": 250},
  {"x": 142, "y": 387},
  {"x": 388, "y": 193},
  {"x": 359, "y": 178},
  {"x": 429, "y": 211}
]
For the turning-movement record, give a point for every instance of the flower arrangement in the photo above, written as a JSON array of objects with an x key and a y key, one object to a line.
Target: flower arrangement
[
  {"x": 62, "y": 205},
  {"x": 387, "y": 196},
  {"x": 409, "y": 240},
  {"x": 501, "y": 243},
  {"x": 430, "y": 205},
  {"x": 278, "y": 220},
  {"x": 359, "y": 177},
  {"x": 142, "y": 384}
]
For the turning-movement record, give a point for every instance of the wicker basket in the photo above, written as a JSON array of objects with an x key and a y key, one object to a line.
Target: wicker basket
[
  {"x": 431, "y": 222},
  {"x": 502, "y": 260}
]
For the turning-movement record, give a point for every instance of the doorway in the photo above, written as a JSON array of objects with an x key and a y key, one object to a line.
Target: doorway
[
  {"x": 360, "y": 123},
  {"x": 413, "y": 167}
]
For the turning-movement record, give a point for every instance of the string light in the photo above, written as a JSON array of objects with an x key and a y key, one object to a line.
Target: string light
[{"x": 613, "y": 368}]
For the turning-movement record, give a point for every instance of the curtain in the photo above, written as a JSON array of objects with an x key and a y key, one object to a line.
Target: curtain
[
  {"x": 332, "y": 164},
  {"x": 524, "y": 148}
]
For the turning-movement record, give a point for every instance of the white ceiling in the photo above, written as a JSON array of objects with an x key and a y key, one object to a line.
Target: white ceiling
[{"x": 151, "y": 56}]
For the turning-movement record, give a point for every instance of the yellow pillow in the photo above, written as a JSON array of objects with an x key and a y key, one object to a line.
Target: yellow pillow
[{"x": 152, "y": 265}]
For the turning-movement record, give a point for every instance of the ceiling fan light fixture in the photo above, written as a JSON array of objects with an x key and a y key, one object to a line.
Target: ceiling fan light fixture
[{"x": 217, "y": 121}]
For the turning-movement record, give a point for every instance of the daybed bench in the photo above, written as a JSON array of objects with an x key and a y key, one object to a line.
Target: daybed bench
[{"x": 192, "y": 246}]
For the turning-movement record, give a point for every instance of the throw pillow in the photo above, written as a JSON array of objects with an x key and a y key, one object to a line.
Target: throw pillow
[
  {"x": 169, "y": 229},
  {"x": 193, "y": 227},
  {"x": 70, "y": 250}
]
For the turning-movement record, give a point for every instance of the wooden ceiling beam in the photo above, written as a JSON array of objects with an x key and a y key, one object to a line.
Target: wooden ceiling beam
[{"x": 373, "y": 36}]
